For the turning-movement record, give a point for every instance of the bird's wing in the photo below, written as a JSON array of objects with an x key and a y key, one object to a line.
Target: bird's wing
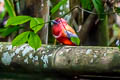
[
  {"x": 70, "y": 29},
  {"x": 70, "y": 34},
  {"x": 73, "y": 37}
]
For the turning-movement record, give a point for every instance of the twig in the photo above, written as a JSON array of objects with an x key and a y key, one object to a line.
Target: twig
[{"x": 79, "y": 9}]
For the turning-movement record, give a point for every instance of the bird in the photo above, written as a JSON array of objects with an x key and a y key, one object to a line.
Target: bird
[{"x": 63, "y": 32}]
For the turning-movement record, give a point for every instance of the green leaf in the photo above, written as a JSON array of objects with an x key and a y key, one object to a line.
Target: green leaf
[
  {"x": 86, "y": 4},
  {"x": 2, "y": 30},
  {"x": 21, "y": 39},
  {"x": 34, "y": 24},
  {"x": 2, "y": 15},
  {"x": 99, "y": 8},
  {"x": 34, "y": 40},
  {"x": 9, "y": 8},
  {"x": 54, "y": 9},
  {"x": 17, "y": 20},
  {"x": 75, "y": 40},
  {"x": 9, "y": 30}
]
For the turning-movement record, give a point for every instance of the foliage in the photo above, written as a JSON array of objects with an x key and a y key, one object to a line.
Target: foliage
[
  {"x": 8, "y": 30},
  {"x": 2, "y": 15},
  {"x": 34, "y": 24},
  {"x": 31, "y": 37},
  {"x": 86, "y": 4},
  {"x": 21, "y": 39},
  {"x": 99, "y": 8},
  {"x": 9, "y": 8},
  {"x": 54, "y": 9},
  {"x": 11, "y": 12},
  {"x": 34, "y": 40},
  {"x": 13, "y": 25},
  {"x": 17, "y": 20}
]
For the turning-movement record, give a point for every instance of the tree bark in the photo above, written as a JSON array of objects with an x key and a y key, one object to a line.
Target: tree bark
[
  {"x": 70, "y": 60},
  {"x": 86, "y": 27}
]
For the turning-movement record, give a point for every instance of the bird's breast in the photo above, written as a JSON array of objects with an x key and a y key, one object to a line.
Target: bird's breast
[{"x": 57, "y": 31}]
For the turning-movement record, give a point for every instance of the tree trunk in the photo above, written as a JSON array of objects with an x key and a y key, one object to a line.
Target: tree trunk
[{"x": 86, "y": 27}]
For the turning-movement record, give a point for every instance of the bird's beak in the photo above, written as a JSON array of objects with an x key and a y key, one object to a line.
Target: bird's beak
[{"x": 54, "y": 22}]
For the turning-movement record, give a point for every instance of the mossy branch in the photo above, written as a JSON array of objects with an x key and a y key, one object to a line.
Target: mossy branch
[{"x": 72, "y": 60}]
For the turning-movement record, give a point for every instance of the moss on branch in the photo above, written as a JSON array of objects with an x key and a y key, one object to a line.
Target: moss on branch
[{"x": 80, "y": 60}]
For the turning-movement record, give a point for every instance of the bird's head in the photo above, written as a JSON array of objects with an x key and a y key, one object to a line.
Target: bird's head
[{"x": 58, "y": 21}]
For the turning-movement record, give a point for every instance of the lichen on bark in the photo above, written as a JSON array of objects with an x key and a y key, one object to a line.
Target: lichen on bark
[{"x": 79, "y": 60}]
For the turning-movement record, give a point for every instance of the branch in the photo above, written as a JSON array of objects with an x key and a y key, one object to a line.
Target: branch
[{"x": 72, "y": 60}]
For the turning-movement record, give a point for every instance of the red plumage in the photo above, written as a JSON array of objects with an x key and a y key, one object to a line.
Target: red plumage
[{"x": 63, "y": 32}]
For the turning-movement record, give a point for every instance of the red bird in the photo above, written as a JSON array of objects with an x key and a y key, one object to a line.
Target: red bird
[{"x": 63, "y": 32}]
